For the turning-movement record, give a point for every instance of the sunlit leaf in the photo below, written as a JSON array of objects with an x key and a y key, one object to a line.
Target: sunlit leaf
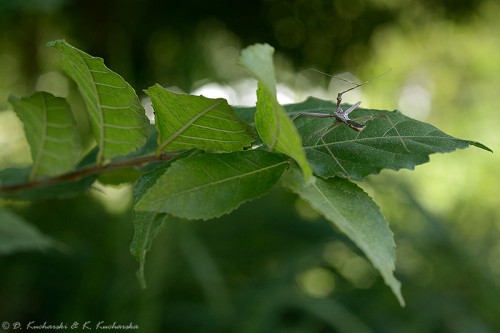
[
  {"x": 258, "y": 60},
  {"x": 273, "y": 125},
  {"x": 186, "y": 121},
  {"x": 390, "y": 140},
  {"x": 210, "y": 185},
  {"x": 51, "y": 133},
  {"x": 119, "y": 123},
  {"x": 351, "y": 210},
  {"x": 18, "y": 235}
]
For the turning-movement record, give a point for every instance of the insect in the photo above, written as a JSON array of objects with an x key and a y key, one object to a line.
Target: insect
[
  {"x": 339, "y": 114},
  {"x": 340, "y": 117}
]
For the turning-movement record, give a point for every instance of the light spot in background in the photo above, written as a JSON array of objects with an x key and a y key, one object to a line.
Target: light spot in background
[
  {"x": 216, "y": 90},
  {"x": 414, "y": 264},
  {"x": 148, "y": 107},
  {"x": 285, "y": 94},
  {"x": 115, "y": 199},
  {"x": 317, "y": 282},
  {"x": 220, "y": 48},
  {"x": 54, "y": 83},
  {"x": 305, "y": 211},
  {"x": 415, "y": 101},
  {"x": 352, "y": 267},
  {"x": 246, "y": 92},
  {"x": 14, "y": 149},
  {"x": 243, "y": 92}
]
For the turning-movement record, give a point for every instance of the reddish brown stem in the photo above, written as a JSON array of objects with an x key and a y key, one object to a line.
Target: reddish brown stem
[{"x": 84, "y": 172}]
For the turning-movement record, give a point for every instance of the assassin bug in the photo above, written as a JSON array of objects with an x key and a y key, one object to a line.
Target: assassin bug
[
  {"x": 339, "y": 114},
  {"x": 340, "y": 117}
]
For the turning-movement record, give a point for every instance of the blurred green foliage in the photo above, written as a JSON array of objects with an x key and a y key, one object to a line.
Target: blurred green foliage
[{"x": 273, "y": 265}]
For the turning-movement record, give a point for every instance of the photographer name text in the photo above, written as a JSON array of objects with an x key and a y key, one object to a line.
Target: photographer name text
[{"x": 63, "y": 326}]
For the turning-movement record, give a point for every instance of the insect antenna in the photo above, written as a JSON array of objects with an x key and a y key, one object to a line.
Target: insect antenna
[{"x": 355, "y": 85}]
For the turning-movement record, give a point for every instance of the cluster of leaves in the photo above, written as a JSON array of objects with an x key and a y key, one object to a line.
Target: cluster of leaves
[{"x": 212, "y": 157}]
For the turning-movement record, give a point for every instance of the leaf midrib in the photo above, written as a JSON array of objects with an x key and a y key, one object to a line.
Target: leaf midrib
[
  {"x": 187, "y": 125},
  {"x": 41, "y": 148},
  {"x": 345, "y": 225},
  {"x": 380, "y": 138},
  {"x": 100, "y": 113},
  {"x": 221, "y": 181},
  {"x": 354, "y": 235}
]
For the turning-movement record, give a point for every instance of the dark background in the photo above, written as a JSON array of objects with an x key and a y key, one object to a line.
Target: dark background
[{"x": 273, "y": 265}]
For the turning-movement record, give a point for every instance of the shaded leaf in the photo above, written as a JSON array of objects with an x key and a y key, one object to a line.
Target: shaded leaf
[
  {"x": 273, "y": 125},
  {"x": 146, "y": 228},
  {"x": 210, "y": 185},
  {"x": 13, "y": 176},
  {"x": 390, "y": 140},
  {"x": 119, "y": 123},
  {"x": 51, "y": 132},
  {"x": 351, "y": 210},
  {"x": 186, "y": 121},
  {"x": 147, "y": 224},
  {"x": 120, "y": 176},
  {"x": 245, "y": 113},
  {"x": 18, "y": 235}
]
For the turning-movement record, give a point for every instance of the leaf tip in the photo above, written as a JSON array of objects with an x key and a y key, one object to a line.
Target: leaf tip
[
  {"x": 396, "y": 289},
  {"x": 255, "y": 49},
  {"x": 141, "y": 278},
  {"x": 480, "y": 145},
  {"x": 53, "y": 43}
]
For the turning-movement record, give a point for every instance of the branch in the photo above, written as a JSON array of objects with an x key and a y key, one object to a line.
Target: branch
[{"x": 87, "y": 171}]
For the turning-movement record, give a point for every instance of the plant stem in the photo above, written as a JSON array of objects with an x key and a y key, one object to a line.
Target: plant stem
[{"x": 86, "y": 171}]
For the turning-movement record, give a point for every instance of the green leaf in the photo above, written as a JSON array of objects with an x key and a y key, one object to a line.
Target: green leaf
[
  {"x": 186, "y": 121},
  {"x": 146, "y": 228},
  {"x": 245, "y": 113},
  {"x": 120, "y": 176},
  {"x": 390, "y": 140},
  {"x": 351, "y": 210},
  {"x": 51, "y": 133},
  {"x": 119, "y": 123},
  {"x": 18, "y": 235},
  {"x": 210, "y": 185},
  {"x": 273, "y": 125},
  {"x": 258, "y": 60},
  {"x": 147, "y": 224}
]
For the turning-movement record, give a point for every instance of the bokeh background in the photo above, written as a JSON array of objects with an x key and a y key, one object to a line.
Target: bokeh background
[{"x": 274, "y": 265}]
